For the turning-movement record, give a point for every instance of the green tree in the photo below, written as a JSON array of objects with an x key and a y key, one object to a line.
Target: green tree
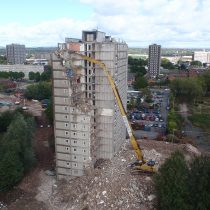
[
  {"x": 3, "y": 60},
  {"x": 172, "y": 126},
  {"x": 137, "y": 65},
  {"x": 171, "y": 184},
  {"x": 140, "y": 83},
  {"x": 187, "y": 89},
  {"x": 5, "y": 120},
  {"x": 206, "y": 78},
  {"x": 20, "y": 134},
  {"x": 196, "y": 63},
  {"x": 49, "y": 112},
  {"x": 37, "y": 77},
  {"x": 4, "y": 74},
  {"x": 39, "y": 91},
  {"x": 47, "y": 74},
  {"x": 21, "y": 75},
  {"x": 11, "y": 169},
  {"x": 199, "y": 185},
  {"x": 31, "y": 75},
  {"x": 165, "y": 63}
]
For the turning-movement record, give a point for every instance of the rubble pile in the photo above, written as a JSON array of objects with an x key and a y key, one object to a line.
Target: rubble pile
[
  {"x": 110, "y": 186},
  {"x": 192, "y": 150}
]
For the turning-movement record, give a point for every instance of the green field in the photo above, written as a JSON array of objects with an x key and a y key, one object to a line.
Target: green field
[{"x": 201, "y": 115}]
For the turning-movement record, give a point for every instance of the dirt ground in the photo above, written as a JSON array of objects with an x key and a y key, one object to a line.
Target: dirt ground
[{"x": 109, "y": 186}]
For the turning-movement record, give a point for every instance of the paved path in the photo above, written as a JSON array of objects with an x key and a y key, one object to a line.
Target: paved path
[{"x": 201, "y": 138}]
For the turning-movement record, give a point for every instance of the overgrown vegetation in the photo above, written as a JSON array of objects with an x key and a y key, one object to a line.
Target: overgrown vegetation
[
  {"x": 188, "y": 89},
  {"x": 16, "y": 151},
  {"x": 181, "y": 187},
  {"x": 12, "y": 75},
  {"x": 44, "y": 76},
  {"x": 166, "y": 64},
  {"x": 39, "y": 91},
  {"x": 194, "y": 92},
  {"x": 49, "y": 111},
  {"x": 201, "y": 114},
  {"x": 140, "y": 82},
  {"x": 3, "y": 60},
  {"x": 137, "y": 66},
  {"x": 174, "y": 119}
]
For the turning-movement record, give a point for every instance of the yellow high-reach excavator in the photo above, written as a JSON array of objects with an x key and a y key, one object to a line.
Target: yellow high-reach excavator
[{"x": 140, "y": 165}]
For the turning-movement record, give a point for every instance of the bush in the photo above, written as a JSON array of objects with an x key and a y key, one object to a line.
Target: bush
[
  {"x": 171, "y": 183},
  {"x": 11, "y": 170},
  {"x": 40, "y": 91},
  {"x": 16, "y": 151},
  {"x": 179, "y": 187},
  {"x": 199, "y": 184}
]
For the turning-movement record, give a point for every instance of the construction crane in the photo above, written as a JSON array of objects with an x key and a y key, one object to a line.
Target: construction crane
[{"x": 140, "y": 165}]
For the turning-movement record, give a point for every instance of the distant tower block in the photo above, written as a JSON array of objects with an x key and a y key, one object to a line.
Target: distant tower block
[
  {"x": 154, "y": 60},
  {"x": 16, "y": 54}
]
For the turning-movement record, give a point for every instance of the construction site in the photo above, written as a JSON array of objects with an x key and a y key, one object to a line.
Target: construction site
[
  {"x": 88, "y": 121},
  {"x": 110, "y": 185},
  {"x": 99, "y": 164}
]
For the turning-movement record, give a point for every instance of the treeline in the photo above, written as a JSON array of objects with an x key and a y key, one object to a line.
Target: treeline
[
  {"x": 137, "y": 66},
  {"x": 11, "y": 75},
  {"x": 44, "y": 76},
  {"x": 39, "y": 91},
  {"x": 191, "y": 89},
  {"x": 16, "y": 152},
  {"x": 166, "y": 64},
  {"x": 182, "y": 185}
]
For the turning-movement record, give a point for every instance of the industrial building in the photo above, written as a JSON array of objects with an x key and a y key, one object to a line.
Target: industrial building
[
  {"x": 16, "y": 54},
  {"x": 154, "y": 60},
  {"x": 202, "y": 56},
  {"x": 88, "y": 125}
]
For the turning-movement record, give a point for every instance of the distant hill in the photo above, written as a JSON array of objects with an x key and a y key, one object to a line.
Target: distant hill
[
  {"x": 166, "y": 51},
  {"x": 32, "y": 50}
]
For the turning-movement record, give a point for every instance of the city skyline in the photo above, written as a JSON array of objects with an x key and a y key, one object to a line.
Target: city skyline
[{"x": 170, "y": 23}]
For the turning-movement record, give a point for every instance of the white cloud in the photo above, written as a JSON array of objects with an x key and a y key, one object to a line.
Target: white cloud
[
  {"x": 168, "y": 22},
  {"x": 174, "y": 23},
  {"x": 47, "y": 33}
]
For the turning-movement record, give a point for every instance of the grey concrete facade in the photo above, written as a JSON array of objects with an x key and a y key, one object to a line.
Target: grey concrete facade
[
  {"x": 154, "y": 61},
  {"x": 16, "y": 54},
  {"x": 88, "y": 124}
]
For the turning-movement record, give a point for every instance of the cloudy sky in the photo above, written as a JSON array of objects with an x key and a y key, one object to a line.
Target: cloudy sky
[{"x": 171, "y": 23}]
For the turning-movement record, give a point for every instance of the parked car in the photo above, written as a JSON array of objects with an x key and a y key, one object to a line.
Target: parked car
[
  {"x": 17, "y": 102},
  {"x": 24, "y": 108}
]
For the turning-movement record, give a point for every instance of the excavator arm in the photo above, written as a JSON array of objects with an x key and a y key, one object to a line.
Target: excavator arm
[
  {"x": 134, "y": 143},
  {"x": 140, "y": 164}
]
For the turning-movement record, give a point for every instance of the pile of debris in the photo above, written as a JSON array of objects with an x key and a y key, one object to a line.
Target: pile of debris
[{"x": 111, "y": 185}]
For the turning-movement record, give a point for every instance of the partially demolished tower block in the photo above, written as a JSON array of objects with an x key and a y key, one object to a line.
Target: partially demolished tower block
[{"x": 87, "y": 121}]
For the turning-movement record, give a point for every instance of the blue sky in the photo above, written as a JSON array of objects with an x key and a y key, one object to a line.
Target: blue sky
[
  {"x": 28, "y": 13},
  {"x": 171, "y": 23}
]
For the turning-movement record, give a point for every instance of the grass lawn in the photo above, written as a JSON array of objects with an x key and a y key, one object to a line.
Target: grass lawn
[{"x": 201, "y": 120}]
